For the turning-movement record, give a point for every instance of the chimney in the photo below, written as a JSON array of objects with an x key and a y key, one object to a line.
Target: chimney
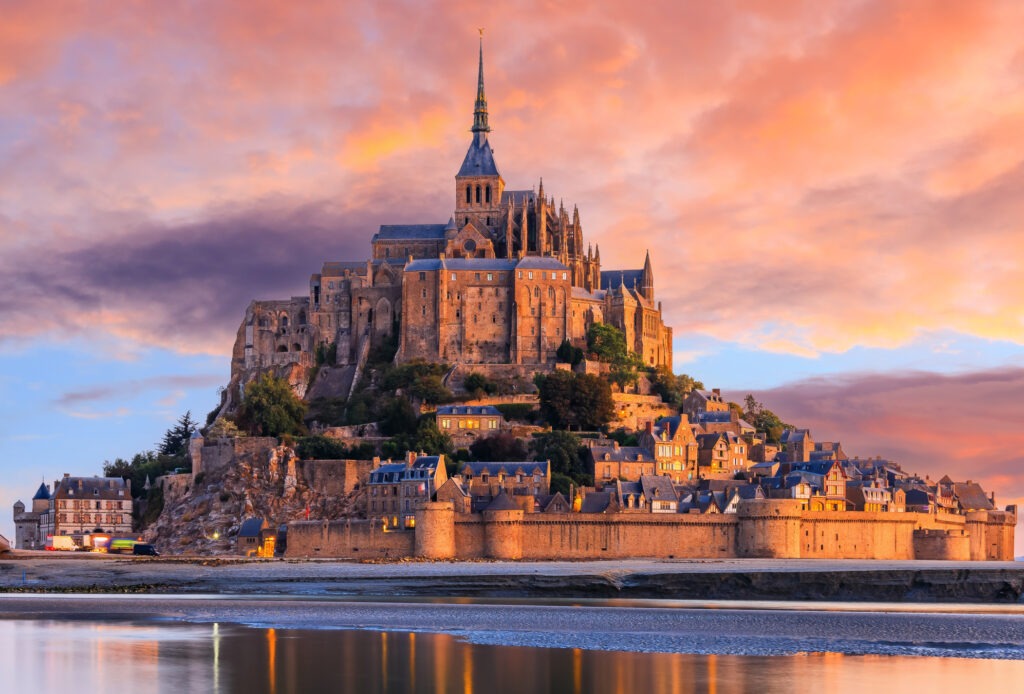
[
  {"x": 410, "y": 458},
  {"x": 615, "y": 445},
  {"x": 650, "y": 426},
  {"x": 716, "y": 391}
]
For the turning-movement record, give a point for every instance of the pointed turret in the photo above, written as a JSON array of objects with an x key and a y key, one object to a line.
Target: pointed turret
[
  {"x": 480, "y": 126},
  {"x": 647, "y": 279}
]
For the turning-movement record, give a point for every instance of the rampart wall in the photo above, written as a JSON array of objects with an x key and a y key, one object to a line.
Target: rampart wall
[
  {"x": 334, "y": 477},
  {"x": 348, "y": 539},
  {"x": 761, "y": 528}
]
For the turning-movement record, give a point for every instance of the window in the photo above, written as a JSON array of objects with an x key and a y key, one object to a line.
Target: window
[
  {"x": 423, "y": 293},
  {"x": 565, "y": 276},
  {"x": 478, "y": 195},
  {"x": 520, "y": 274},
  {"x": 423, "y": 277},
  {"x": 423, "y": 310},
  {"x": 453, "y": 277},
  {"x": 446, "y": 423},
  {"x": 476, "y": 276},
  {"x": 469, "y": 194},
  {"x": 529, "y": 275},
  {"x": 488, "y": 197},
  {"x": 492, "y": 424},
  {"x": 490, "y": 276}
]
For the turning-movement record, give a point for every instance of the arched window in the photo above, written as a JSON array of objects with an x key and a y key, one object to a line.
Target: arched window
[
  {"x": 488, "y": 194},
  {"x": 284, "y": 321},
  {"x": 478, "y": 195},
  {"x": 469, "y": 194}
]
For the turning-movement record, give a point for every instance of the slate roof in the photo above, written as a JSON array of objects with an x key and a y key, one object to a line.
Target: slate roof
[
  {"x": 251, "y": 527},
  {"x": 610, "y": 279},
  {"x": 91, "y": 487},
  {"x": 501, "y": 502},
  {"x": 794, "y": 435},
  {"x": 518, "y": 196},
  {"x": 719, "y": 417},
  {"x": 382, "y": 475},
  {"x": 42, "y": 493},
  {"x": 488, "y": 410},
  {"x": 534, "y": 262},
  {"x": 621, "y": 454},
  {"x": 596, "y": 502},
  {"x": 581, "y": 293},
  {"x": 420, "y": 232},
  {"x": 658, "y": 488},
  {"x": 479, "y": 160},
  {"x": 478, "y": 468},
  {"x": 971, "y": 496},
  {"x": 477, "y": 264}
]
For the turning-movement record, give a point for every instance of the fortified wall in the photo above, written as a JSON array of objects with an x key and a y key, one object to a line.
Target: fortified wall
[{"x": 761, "y": 528}]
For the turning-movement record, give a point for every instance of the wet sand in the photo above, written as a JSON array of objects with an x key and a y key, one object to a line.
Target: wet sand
[
  {"x": 733, "y": 630},
  {"x": 747, "y": 579}
]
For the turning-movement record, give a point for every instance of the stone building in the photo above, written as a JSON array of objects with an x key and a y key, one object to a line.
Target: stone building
[
  {"x": 396, "y": 490},
  {"x": 505, "y": 281},
  {"x": 474, "y": 419},
  {"x": 82, "y": 505},
  {"x": 31, "y": 527}
]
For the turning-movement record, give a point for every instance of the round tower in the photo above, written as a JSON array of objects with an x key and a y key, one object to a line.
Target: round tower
[
  {"x": 503, "y": 534},
  {"x": 768, "y": 528},
  {"x": 435, "y": 530}
]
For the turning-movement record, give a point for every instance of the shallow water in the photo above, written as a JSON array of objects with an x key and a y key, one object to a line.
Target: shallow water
[{"x": 94, "y": 655}]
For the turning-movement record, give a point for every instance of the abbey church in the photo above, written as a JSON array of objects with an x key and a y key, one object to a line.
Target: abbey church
[{"x": 506, "y": 280}]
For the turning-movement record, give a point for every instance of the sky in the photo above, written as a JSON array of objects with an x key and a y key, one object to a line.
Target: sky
[{"x": 830, "y": 192}]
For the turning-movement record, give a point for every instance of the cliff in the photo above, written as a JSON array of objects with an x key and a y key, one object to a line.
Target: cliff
[{"x": 252, "y": 478}]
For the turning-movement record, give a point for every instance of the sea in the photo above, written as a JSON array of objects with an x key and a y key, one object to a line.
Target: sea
[{"x": 189, "y": 644}]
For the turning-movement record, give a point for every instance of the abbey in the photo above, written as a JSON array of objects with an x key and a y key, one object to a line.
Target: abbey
[{"x": 505, "y": 281}]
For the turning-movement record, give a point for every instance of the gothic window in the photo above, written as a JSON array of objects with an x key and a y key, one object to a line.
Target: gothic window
[
  {"x": 488, "y": 200},
  {"x": 469, "y": 194},
  {"x": 478, "y": 195}
]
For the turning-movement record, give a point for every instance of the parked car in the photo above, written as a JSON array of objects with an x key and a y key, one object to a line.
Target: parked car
[{"x": 143, "y": 549}]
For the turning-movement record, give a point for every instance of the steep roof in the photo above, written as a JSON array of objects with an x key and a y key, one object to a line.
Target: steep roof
[
  {"x": 42, "y": 493},
  {"x": 596, "y": 502},
  {"x": 971, "y": 496},
  {"x": 489, "y": 410},
  {"x": 501, "y": 502},
  {"x": 389, "y": 232},
  {"x": 611, "y": 279},
  {"x": 658, "y": 488},
  {"x": 621, "y": 453},
  {"x": 251, "y": 527},
  {"x": 478, "y": 468},
  {"x": 533, "y": 262},
  {"x": 479, "y": 160}
]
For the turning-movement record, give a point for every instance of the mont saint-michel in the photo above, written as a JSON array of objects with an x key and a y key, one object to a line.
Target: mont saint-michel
[{"x": 486, "y": 387}]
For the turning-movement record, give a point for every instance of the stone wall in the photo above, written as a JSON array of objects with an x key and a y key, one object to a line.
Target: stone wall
[
  {"x": 334, "y": 477},
  {"x": 219, "y": 453},
  {"x": 761, "y": 528},
  {"x": 634, "y": 411},
  {"x": 348, "y": 539}
]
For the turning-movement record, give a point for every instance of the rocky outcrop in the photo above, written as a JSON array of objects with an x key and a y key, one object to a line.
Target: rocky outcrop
[{"x": 204, "y": 516}]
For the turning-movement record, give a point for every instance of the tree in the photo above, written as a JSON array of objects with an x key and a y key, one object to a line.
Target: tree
[
  {"x": 569, "y": 354},
  {"x": 175, "y": 441},
  {"x": 398, "y": 417},
  {"x": 607, "y": 342},
  {"x": 562, "y": 449},
  {"x": 429, "y": 388},
  {"x": 764, "y": 420},
  {"x": 575, "y": 400},
  {"x": 432, "y": 440},
  {"x": 271, "y": 408},
  {"x": 479, "y": 385},
  {"x": 673, "y": 388},
  {"x": 500, "y": 446},
  {"x": 321, "y": 448}
]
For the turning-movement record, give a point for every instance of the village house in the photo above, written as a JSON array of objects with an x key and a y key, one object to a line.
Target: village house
[
  {"x": 469, "y": 419},
  {"x": 620, "y": 462},
  {"x": 698, "y": 401},
  {"x": 396, "y": 490},
  {"x": 83, "y": 505},
  {"x": 722, "y": 455},
  {"x": 797, "y": 445},
  {"x": 31, "y": 528},
  {"x": 484, "y": 480},
  {"x": 674, "y": 447}
]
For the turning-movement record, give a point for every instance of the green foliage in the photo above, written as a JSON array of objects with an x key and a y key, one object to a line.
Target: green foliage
[
  {"x": 499, "y": 446},
  {"x": 271, "y": 408},
  {"x": 321, "y": 448},
  {"x": 429, "y": 388},
  {"x": 764, "y": 420},
  {"x": 384, "y": 352},
  {"x": 673, "y": 388},
  {"x": 563, "y": 449},
  {"x": 516, "y": 411},
  {"x": 223, "y": 428},
  {"x": 426, "y": 438},
  {"x": 405, "y": 375},
  {"x": 479, "y": 385},
  {"x": 142, "y": 465},
  {"x": 398, "y": 417},
  {"x": 175, "y": 440},
  {"x": 569, "y": 354},
  {"x": 608, "y": 344},
  {"x": 327, "y": 354},
  {"x": 328, "y": 411},
  {"x": 570, "y": 400},
  {"x": 154, "y": 506},
  {"x": 623, "y": 437},
  {"x": 561, "y": 483}
]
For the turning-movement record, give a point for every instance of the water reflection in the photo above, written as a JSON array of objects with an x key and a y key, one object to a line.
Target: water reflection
[{"x": 52, "y": 656}]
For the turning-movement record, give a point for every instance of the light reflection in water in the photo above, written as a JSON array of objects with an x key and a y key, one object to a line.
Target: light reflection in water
[{"x": 82, "y": 656}]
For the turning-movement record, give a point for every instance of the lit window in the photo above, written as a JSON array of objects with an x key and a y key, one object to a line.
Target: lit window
[
  {"x": 490, "y": 276},
  {"x": 453, "y": 277},
  {"x": 529, "y": 274}
]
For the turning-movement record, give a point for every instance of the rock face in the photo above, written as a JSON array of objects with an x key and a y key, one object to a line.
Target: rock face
[{"x": 204, "y": 517}]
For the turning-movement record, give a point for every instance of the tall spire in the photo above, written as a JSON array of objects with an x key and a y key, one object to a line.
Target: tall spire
[{"x": 480, "y": 126}]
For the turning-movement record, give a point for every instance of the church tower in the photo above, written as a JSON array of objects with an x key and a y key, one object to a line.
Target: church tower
[
  {"x": 478, "y": 185},
  {"x": 647, "y": 279}
]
